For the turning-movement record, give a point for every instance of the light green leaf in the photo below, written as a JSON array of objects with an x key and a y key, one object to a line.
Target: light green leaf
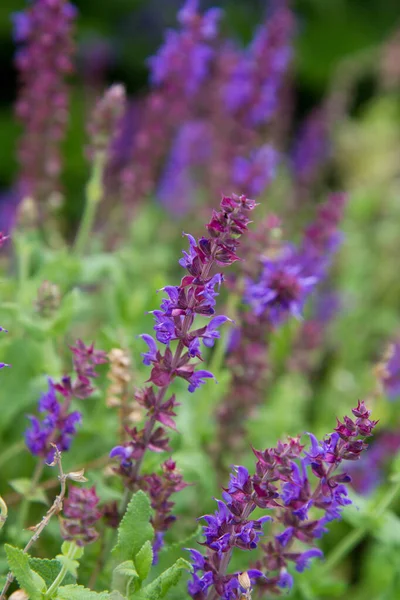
[
  {"x": 70, "y": 552},
  {"x": 158, "y": 588},
  {"x": 79, "y": 592},
  {"x": 18, "y": 562},
  {"x": 24, "y": 487},
  {"x": 49, "y": 569},
  {"x": 143, "y": 560},
  {"x": 123, "y": 575},
  {"x": 135, "y": 529}
]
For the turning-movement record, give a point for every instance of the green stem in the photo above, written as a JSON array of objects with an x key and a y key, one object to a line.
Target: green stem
[
  {"x": 73, "y": 551},
  {"x": 354, "y": 537},
  {"x": 94, "y": 193}
]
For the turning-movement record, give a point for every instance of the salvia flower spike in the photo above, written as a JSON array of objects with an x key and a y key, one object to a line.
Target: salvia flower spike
[
  {"x": 175, "y": 322},
  {"x": 288, "y": 481}
]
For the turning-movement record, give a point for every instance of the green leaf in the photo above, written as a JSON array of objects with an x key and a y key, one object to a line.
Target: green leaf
[
  {"x": 123, "y": 575},
  {"x": 49, "y": 569},
  {"x": 71, "y": 553},
  {"x": 24, "y": 487},
  {"x": 159, "y": 587},
  {"x": 79, "y": 592},
  {"x": 18, "y": 562},
  {"x": 143, "y": 560},
  {"x": 135, "y": 529}
]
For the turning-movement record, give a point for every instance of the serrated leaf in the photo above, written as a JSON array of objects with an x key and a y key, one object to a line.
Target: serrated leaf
[
  {"x": 49, "y": 569},
  {"x": 158, "y": 588},
  {"x": 79, "y": 592},
  {"x": 18, "y": 562},
  {"x": 126, "y": 568},
  {"x": 144, "y": 560},
  {"x": 135, "y": 529},
  {"x": 123, "y": 575},
  {"x": 24, "y": 487}
]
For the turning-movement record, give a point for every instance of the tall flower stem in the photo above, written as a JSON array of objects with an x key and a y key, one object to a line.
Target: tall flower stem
[
  {"x": 94, "y": 193},
  {"x": 354, "y": 537}
]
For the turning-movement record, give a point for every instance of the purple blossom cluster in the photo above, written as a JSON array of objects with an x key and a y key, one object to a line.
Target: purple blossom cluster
[
  {"x": 183, "y": 62},
  {"x": 59, "y": 424},
  {"x": 43, "y": 33},
  {"x": 80, "y": 514},
  {"x": 178, "y": 71},
  {"x": 175, "y": 323},
  {"x": 252, "y": 91},
  {"x": 205, "y": 117},
  {"x": 287, "y": 280},
  {"x": 304, "y": 493},
  {"x": 160, "y": 488}
]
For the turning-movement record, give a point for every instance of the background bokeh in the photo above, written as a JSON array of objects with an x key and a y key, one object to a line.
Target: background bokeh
[{"x": 115, "y": 39}]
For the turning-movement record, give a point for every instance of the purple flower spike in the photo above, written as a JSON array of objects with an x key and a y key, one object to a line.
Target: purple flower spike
[
  {"x": 44, "y": 58},
  {"x": 176, "y": 330},
  {"x": 289, "y": 481}
]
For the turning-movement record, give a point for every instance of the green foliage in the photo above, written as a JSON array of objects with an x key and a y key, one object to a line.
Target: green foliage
[
  {"x": 49, "y": 569},
  {"x": 143, "y": 560},
  {"x": 29, "y": 580},
  {"x": 158, "y": 588},
  {"x": 79, "y": 592},
  {"x": 135, "y": 529}
]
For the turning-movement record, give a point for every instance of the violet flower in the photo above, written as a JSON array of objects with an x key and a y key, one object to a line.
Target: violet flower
[
  {"x": 256, "y": 79},
  {"x": 289, "y": 482},
  {"x": 177, "y": 72},
  {"x": 43, "y": 33},
  {"x": 175, "y": 321},
  {"x": 287, "y": 280},
  {"x": 80, "y": 514},
  {"x": 57, "y": 427},
  {"x": 283, "y": 287},
  {"x": 185, "y": 58}
]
